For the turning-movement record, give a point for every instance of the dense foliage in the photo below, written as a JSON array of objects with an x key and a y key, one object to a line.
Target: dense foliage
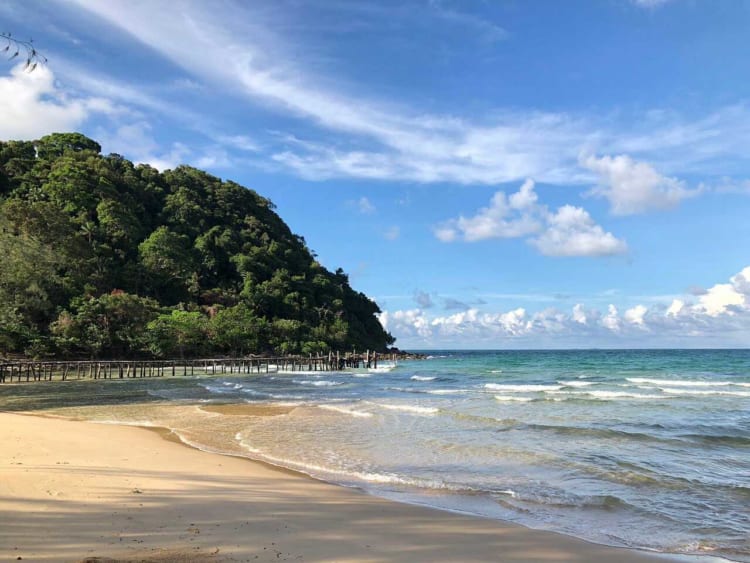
[{"x": 100, "y": 257}]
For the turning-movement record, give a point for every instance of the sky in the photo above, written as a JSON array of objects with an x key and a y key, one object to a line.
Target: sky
[{"x": 495, "y": 174}]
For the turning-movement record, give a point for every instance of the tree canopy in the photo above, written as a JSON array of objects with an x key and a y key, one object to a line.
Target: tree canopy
[{"x": 105, "y": 258}]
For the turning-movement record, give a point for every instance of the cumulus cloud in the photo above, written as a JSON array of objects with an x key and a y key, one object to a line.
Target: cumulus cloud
[
  {"x": 569, "y": 231},
  {"x": 675, "y": 308},
  {"x": 32, "y": 105},
  {"x": 635, "y": 315},
  {"x": 726, "y": 297},
  {"x": 572, "y": 232},
  {"x": 721, "y": 315},
  {"x": 504, "y": 217},
  {"x": 634, "y": 187},
  {"x": 579, "y": 314}
]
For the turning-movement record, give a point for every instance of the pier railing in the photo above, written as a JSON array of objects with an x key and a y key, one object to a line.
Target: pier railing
[{"x": 55, "y": 370}]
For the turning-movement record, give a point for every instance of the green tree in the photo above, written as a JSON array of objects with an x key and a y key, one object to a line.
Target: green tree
[
  {"x": 182, "y": 333},
  {"x": 168, "y": 263},
  {"x": 77, "y": 227},
  {"x": 237, "y": 331},
  {"x": 109, "y": 325}
]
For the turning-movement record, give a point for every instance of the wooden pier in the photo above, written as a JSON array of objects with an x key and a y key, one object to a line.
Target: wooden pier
[{"x": 18, "y": 371}]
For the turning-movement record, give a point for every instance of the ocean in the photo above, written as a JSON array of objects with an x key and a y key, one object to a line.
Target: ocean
[{"x": 646, "y": 449}]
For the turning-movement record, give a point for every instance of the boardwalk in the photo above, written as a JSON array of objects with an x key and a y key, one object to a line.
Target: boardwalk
[{"x": 17, "y": 371}]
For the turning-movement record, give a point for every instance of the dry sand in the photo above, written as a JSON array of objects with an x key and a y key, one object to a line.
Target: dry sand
[{"x": 78, "y": 491}]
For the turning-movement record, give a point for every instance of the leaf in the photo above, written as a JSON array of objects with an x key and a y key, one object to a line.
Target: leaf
[
  {"x": 31, "y": 69},
  {"x": 13, "y": 56}
]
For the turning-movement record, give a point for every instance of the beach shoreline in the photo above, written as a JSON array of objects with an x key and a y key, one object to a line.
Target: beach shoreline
[{"x": 76, "y": 490}]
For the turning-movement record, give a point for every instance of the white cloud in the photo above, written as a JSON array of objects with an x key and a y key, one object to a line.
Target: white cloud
[
  {"x": 485, "y": 29},
  {"x": 723, "y": 298},
  {"x": 635, "y": 315},
  {"x": 242, "y": 142},
  {"x": 135, "y": 140},
  {"x": 569, "y": 231},
  {"x": 579, "y": 314},
  {"x": 676, "y": 307},
  {"x": 650, "y": 3},
  {"x": 741, "y": 282},
  {"x": 634, "y": 187},
  {"x": 572, "y": 232},
  {"x": 387, "y": 140},
  {"x": 31, "y": 105},
  {"x": 721, "y": 317},
  {"x": 365, "y": 206},
  {"x": 503, "y": 218},
  {"x": 412, "y": 322},
  {"x": 719, "y": 299},
  {"x": 445, "y": 233},
  {"x": 392, "y": 233},
  {"x": 611, "y": 320}
]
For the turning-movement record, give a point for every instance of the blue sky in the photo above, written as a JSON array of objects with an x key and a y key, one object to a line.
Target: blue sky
[{"x": 501, "y": 174}]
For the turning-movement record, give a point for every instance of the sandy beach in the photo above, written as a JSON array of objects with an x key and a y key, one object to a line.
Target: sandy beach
[{"x": 78, "y": 491}]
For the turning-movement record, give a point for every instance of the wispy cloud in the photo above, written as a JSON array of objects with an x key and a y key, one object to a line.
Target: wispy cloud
[
  {"x": 392, "y": 233},
  {"x": 650, "y": 3},
  {"x": 389, "y": 141},
  {"x": 365, "y": 206},
  {"x": 486, "y": 30}
]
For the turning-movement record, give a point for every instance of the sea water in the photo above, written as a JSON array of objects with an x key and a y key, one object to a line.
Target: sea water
[{"x": 645, "y": 449}]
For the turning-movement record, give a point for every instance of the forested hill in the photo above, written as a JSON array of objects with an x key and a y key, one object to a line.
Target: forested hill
[{"x": 103, "y": 258}]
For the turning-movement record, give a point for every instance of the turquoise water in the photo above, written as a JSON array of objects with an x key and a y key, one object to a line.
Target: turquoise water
[{"x": 647, "y": 449}]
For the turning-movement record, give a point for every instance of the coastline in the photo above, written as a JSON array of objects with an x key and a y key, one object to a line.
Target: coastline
[{"x": 76, "y": 490}]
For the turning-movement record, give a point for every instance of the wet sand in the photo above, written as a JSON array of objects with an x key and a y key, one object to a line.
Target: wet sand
[{"x": 79, "y": 491}]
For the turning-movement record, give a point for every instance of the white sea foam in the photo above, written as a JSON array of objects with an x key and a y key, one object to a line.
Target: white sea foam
[
  {"x": 444, "y": 391},
  {"x": 307, "y": 372},
  {"x": 139, "y": 423},
  {"x": 610, "y": 395},
  {"x": 704, "y": 392},
  {"x": 345, "y": 410},
  {"x": 408, "y": 408},
  {"x": 318, "y": 470},
  {"x": 383, "y": 367},
  {"x": 422, "y": 378},
  {"x": 288, "y": 403},
  {"x": 225, "y": 387},
  {"x": 576, "y": 383},
  {"x": 496, "y": 371},
  {"x": 521, "y": 388},
  {"x": 317, "y": 382},
  {"x": 255, "y": 393},
  {"x": 684, "y": 382},
  {"x": 511, "y": 398}
]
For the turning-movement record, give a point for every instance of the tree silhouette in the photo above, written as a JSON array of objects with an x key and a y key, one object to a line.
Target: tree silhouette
[{"x": 16, "y": 46}]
